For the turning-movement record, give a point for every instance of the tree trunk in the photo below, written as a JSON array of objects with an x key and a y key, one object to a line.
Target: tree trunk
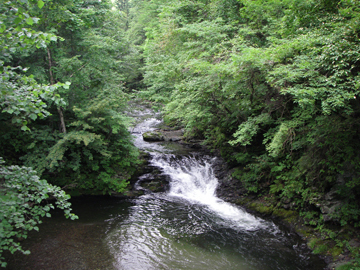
[
  {"x": 62, "y": 121},
  {"x": 61, "y": 115}
]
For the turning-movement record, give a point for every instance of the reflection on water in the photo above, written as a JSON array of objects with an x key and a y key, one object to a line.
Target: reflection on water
[
  {"x": 170, "y": 233},
  {"x": 157, "y": 231},
  {"x": 187, "y": 227},
  {"x": 63, "y": 244}
]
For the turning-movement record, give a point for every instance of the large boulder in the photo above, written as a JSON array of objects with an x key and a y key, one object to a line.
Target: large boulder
[
  {"x": 153, "y": 136},
  {"x": 163, "y": 135},
  {"x": 173, "y": 135}
]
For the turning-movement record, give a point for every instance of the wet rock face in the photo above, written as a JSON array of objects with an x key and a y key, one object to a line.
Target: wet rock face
[
  {"x": 163, "y": 135},
  {"x": 173, "y": 135},
  {"x": 153, "y": 136},
  {"x": 229, "y": 189},
  {"x": 147, "y": 179},
  {"x": 330, "y": 206},
  {"x": 159, "y": 185}
]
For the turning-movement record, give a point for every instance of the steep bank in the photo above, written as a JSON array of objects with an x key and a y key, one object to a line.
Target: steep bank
[
  {"x": 336, "y": 255},
  {"x": 231, "y": 190},
  {"x": 187, "y": 175}
]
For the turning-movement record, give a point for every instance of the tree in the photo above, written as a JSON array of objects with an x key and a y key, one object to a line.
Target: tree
[
  {"x": 22, "y": 193},
  {"x": 22, "y": 197},
  {"x": 273, "y": 85},
  {"x": 74, "y": 146},
  {"x": 21, "y": 95}
]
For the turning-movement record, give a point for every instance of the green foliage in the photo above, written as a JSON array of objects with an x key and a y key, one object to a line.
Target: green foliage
[
  {"x": 26, "y": 100},
  {"x": 21, "y": 95},
  {"x": 15, "y": 28},
  {"x": 96, "y": 154},
  {"x": 108, "y": 148},
  {"x": 79, "y": 134},
  {"x": 22, "y": 196},
  {"x": 274, "y": 86},
  {"x": 70, "y": 98},
  {"x": 247, "y": 130}
]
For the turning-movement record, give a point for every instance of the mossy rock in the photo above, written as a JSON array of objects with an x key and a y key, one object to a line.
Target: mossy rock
[
  {"x": 133, "y": 193},
  {"x": 153, "y": 136},
  {"x": 154, "y": 186},
  {"x": 288, "y": 215},
  {"x": 243, "y": 200},
  {"x": 346, "y": 266},
  {"x": 261, "y": 208},
  {"x": 335, "y": 251},
  {"x": 321, "y": 249}
]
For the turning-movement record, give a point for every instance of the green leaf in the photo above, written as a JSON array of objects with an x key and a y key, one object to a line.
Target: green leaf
[
  {"x": 25, "y": 128},
  {"x": 40, "y": 4},
  {"x": 17, "y": 20},
  {"x": 67, "y": 85},
  {"x": 2, "y": 28},
  {"x": 33, "y": 116},
  {"x": 30, "y": 21}
]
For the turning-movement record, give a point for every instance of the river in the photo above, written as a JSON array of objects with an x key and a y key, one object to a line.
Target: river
[{"x": 185, "y": 227}]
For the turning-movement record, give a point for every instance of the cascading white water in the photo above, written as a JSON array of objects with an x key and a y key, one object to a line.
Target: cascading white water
[
  {"x": 193, "y": 179},
  {"x": 147, "y": 125},
  {"x": 188, "y": 227}
]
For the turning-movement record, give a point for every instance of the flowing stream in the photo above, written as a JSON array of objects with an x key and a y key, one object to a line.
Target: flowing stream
[{"x": 186, "y": 227}]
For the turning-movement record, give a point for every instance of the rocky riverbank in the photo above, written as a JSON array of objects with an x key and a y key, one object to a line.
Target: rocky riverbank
[
  {"x": 336, "y": 256},
  {"x": 231, "y": 190}
]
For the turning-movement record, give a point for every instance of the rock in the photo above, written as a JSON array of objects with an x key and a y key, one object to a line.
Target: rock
[
  {"x": 155, "y": 186},
  {"x": 173, "y": 135},
  {"x": 287, "y": 206},
  {"x": 229, "y": 189},
  {"x": 153, "y": 136},
  {"x": 330, "y": 195},
  {"x": 329, "y": 211},
  {"x": 354, "y": 243},
  {"x": 163, "y": 135}
]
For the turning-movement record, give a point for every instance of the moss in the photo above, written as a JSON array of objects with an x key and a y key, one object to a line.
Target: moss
[
  {"x": 270, "y": 199},
  {"x": 243, "y": 201},
  {"x": 335, "y": 251},
  {"x": 318, "y": 246},
  {"x": 261, "y": 208},
  {"x": 153, "y": 136},
  {"x": 324, "y": 247},
  {"x": 304, "y": 231},
  {"x": 287, "y": 215},
  {"x": 321, "y": 249},
  {"x": 312, "y": 242},
  {"x": 347, "y": 266}
]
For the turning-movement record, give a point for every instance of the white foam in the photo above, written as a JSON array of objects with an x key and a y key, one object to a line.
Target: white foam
[{"x": 194, "y": 181}]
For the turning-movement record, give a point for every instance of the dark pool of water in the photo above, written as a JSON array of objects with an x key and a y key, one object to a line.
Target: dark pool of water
[
  {"x": 156, "y": 232},
  {"x": 187, "y": 227}
]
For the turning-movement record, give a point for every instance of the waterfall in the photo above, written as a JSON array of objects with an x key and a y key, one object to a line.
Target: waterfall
[
  {"x": 193, "y": 180},
  {"x": 187, "y": 226}
]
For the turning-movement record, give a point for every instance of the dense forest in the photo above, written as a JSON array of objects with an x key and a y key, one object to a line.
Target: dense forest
[{"x": 273, "y": 86}]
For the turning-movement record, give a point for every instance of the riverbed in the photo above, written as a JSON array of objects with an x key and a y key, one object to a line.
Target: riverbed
[{"x": 185, "y": 227}]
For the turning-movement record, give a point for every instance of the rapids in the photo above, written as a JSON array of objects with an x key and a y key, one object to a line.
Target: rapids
[{"x": 186, "y": 227}]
